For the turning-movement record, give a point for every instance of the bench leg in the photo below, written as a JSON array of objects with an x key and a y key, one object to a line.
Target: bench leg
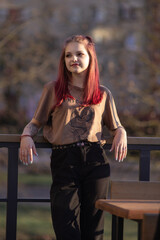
[
  {"x": 117, "y": 228},
  {"x": 139, "y": 230}
]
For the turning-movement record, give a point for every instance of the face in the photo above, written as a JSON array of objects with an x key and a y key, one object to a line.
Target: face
[{"x": 76, "y": 58}]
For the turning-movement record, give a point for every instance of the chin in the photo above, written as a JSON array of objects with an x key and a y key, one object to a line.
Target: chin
[{"x": 76, "y": 71}]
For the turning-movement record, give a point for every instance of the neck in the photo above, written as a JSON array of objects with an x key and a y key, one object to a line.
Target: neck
[{"x": 78, "y": 79}]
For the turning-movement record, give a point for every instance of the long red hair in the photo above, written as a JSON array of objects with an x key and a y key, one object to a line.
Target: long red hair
[{"x": 92, "y": 93}]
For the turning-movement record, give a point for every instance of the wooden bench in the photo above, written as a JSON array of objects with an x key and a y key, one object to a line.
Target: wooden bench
[
  {"x": 132, "y": 190},
  {"x": 139, "y": 191}
]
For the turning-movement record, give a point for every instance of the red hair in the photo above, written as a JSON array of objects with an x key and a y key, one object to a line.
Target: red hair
[{"x": 92, "y": 93}]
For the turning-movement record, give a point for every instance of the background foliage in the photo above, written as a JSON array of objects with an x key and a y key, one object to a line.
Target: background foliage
[{"x": 126, "y": 34}]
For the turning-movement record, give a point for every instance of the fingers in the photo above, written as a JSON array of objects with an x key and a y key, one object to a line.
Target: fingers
[
  {"x": 27, "y": 151},
  {"x": 30, "y": 156},
  {"x": 120, "y": 153},
  {"x": 120, "y": 144},
  {"x": 26, "y": 156},
  {"x": 34, "y": 151}
]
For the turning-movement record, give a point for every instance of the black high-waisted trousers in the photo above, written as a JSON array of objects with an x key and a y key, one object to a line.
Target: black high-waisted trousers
[{"x": 80, "y": 176}]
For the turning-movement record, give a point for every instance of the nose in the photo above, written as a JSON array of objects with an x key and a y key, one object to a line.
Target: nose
[{"x": 74, "y": 58}]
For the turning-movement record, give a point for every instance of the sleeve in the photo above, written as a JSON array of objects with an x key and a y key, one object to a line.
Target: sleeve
[
  {"x": 110, "y": 116},
  {"x": 45, "y": 105}
]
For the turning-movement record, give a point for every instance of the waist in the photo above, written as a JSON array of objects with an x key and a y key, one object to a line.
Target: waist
[{"x": 76, "y": 144}]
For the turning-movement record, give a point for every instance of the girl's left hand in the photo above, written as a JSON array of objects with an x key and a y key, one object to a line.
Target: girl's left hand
[{"x": 119, "y": 144}]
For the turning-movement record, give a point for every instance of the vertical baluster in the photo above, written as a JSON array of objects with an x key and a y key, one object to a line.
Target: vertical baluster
[
  {"x": 11, "y": 223},
  {"x": 144, "y": 173},
  {"x": 144, "y": 165}
]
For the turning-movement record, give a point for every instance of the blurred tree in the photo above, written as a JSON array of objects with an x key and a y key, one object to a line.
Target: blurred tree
[
  {"x": 26, "y": 63},
  {"x": 127, "y": 43}
]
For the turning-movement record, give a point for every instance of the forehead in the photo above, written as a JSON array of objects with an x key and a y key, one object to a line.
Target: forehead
[{"x": 75, "y": 47}]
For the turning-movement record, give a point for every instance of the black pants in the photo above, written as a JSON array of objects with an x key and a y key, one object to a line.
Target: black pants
[{"x": 80, "y": 177}]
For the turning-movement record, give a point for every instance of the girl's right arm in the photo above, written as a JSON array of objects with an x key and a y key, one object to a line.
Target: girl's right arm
[
  {"x": 27, "y": 146},
  {"x": 41, "y": 116}
]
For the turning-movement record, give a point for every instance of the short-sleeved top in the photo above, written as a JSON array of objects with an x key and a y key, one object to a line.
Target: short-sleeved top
[{"x": 71, "y": 122}]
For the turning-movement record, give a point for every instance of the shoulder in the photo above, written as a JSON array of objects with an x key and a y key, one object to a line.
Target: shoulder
[
  {"x": 48, "y": 92},
  {"x": 50, "y": 85},
  {"x": 105, "y": 90}
]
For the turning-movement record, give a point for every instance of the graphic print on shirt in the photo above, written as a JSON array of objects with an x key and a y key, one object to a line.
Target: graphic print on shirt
[{"x": 81, "y": 122}]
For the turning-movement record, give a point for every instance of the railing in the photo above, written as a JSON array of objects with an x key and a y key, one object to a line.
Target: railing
[{"x": 143, "y": 145}]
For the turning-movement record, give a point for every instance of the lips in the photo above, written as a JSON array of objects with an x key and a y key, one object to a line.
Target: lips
[{"x": 74, "y": 64}]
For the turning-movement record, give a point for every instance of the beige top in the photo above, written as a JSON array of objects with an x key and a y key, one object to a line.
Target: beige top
[{"x": 71, "y": 122}]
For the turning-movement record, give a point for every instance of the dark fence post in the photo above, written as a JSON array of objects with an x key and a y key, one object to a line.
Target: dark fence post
[
  {"x": 11, "y": 222},
  {"x": 144, "y": 165}
]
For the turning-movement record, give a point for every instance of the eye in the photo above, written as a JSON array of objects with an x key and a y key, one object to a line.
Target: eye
[
  {"x": 68, "y": 55},
  {"x": 80, "y": 54}
]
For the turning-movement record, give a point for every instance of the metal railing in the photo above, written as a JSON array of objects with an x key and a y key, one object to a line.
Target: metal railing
[{"x": 11, "y": 142}]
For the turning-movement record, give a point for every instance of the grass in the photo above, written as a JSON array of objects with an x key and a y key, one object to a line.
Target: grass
[
  {"x": 3, "y": 177},
  {"x": 34, "y": 179},
  {"x": 29, "y": 179},
  {"x": 34, "y": 223}
]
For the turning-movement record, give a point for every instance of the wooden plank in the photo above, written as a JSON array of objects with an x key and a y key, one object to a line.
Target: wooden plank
[
  {"x": 130, "y": 209},
  {"x": 135, "y": 190},
  {"x": 151, "y": 227},
  {"x": 14, "y": 138},
  {"x": 131, "y": 140},
  {"x": 144, "y": 140}
]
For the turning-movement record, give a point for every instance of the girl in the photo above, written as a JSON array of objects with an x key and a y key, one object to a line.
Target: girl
[{"x": 72, "y": 111}]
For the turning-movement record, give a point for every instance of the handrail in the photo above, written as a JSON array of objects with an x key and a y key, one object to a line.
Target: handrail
[
  {"x": 39, "y": 139},
  {"x": 12, "y": 142}
]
